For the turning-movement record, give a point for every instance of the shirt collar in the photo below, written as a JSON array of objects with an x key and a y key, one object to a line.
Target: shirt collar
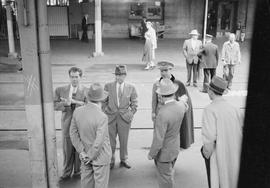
[{"x": 169, "y": 101}]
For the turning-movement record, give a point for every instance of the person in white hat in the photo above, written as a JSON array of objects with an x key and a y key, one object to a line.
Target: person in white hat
[
  {"x": 166, "y": 140},
  {"x": 222, "y": 136},
  {"x": 191, "y": 48},
  {"x": 89, "y": 135}
]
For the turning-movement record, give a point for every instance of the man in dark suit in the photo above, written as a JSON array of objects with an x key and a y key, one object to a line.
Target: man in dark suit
[
  {"x": 66, "y": 99},
  {"x": 120, "y": 107},
  {"x": 166, "y": 140},
  {"x": 84, "y": 28},
  {"x": 209, "y": 61}
]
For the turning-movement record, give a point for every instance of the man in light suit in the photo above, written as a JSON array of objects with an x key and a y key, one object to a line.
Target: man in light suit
[
  {"x": 231, "y": 56},
  {"x": 120, "y": 106},
  {"x": 89, "y": 135},
  {"x": 166, "y": 139},
  {"x": 66, "y": 99},
  {"x": 191, "y": 48},
  {"x": 209, "y": 61}
]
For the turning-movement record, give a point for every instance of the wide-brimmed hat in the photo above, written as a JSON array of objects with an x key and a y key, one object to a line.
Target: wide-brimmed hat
[
  {"x": 120, "y": 70},
  {"x": 218, "y": 85},
  {"x": 165, "y": 65},
  {"x": 97, "y": 93},
  {"x": 166, "y": 87},
  {"x": 194, "y": 32}
]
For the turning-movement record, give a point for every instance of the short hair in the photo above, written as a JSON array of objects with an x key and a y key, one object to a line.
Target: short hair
[
  {"x": 75, "y": 69},
  {"x": 167, "y": 96}
]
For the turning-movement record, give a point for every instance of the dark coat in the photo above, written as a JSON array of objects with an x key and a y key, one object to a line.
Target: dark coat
[{"x": 209, "y": 56}]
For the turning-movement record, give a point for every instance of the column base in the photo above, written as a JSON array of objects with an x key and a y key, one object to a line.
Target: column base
[
  {"x": 12, "y": 55},
  {"x": 95, "y": 54}
]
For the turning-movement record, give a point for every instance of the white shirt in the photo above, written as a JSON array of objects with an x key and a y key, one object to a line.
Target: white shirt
[
  {"x": 72, "y": 90},
  {"x": 122, "y": 89}
]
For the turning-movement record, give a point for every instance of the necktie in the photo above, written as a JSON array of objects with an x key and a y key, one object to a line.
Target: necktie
[
  {"x": 119, "y": 93},
  {"x": 73, "y": 106}
]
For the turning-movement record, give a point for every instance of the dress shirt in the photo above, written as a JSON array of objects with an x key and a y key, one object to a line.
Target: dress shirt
[{"x": 122, "y": 89}]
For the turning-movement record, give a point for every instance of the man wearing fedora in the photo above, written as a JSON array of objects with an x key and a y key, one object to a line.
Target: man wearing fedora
[
  {"x": 89, "y": 135},
  {"x": 191, "y": 48},
  {"x": 66, "y": 99},
  {"x": 222, "y": 137},
  {"x": 166, "y": 142},
  {"x": 209, "y": 61},
  {"x": 187, "y": 125},
  {"x": 120, "y": 106}
]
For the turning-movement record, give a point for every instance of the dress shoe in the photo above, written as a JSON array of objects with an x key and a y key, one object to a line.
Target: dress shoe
[
  {"x": 187, "y": 84},
  {"x": 124, "y": 164},
  {"x": 64, "y": 178},
  {"x": 147, "y": 67},
  {"x": 195, "y": 85},
  {"x": 111, "y": 165}
]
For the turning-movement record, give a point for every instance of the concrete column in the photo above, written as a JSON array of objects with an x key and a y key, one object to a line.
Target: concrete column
[
  {"x": 35, "y": 50},
  {"x": 11, "y": 42},
  {"x": 205, "y": 20},
  {"x": 98, "y": 30}
]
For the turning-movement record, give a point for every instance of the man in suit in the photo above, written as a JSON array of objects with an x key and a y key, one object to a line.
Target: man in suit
[
  {"x": 191, "y": 48},
  {"x": 209, "y": 61},
  {"x": 84, "y": 28},
  {"x": 120, "y": 107},
  {"x": 89, "y": 135},
  {"x": 166, "y": 139},
  {"x": 231, "y": 56},
  {"x": 66, "y": 99},
  {"x": 187, "y": 125}
]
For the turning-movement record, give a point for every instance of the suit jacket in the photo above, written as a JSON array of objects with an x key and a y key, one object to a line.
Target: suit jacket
[
  {"x": 166, "y": 140},
  {"x": 209, "y": 56},
  {"x": 84, "y": 24},
  {"x": 231, "y": 53},
  {"x": 128, "y": 102},
  {"x": 190, "y": 52},
  {"x": 89, "y": 133},
  {"x": 59, "y": 105}
]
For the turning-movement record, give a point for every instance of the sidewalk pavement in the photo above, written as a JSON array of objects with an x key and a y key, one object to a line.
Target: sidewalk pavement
[{"x": 190, "y": 171}]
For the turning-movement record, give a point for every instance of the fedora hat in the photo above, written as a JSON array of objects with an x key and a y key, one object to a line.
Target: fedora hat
[
  {"x": 166, "y": 87},
  {"x": 97, "y": 93},
  {"x": 165, "y": 65},
  {"x": 120, "y": 70},
  {"x": 218, "y": 85},
  {"x": 194, "y": 32}
]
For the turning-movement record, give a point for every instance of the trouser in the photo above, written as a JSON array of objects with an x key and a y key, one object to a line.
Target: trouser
[
  {"x": 121, "y": 128},
  {"x": 84, "y": 36},
  {"x": 207, "y": 165},
  {"x": 165, "y": 174},
  {"x": 228, "y": 73},
  {"x": 208, "y": 73},
  {"x": 95, "y": 176},
  {"x": 71, "y": 158},
  {"x": 192, "y": 68}
]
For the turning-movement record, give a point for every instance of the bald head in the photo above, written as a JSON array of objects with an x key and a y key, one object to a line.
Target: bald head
[{"x": 232, "y": 37}]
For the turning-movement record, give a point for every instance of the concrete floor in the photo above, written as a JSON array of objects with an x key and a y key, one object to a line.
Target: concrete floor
[{"x": 190, "y": 171}]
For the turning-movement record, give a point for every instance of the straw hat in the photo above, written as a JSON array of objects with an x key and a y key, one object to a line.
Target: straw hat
[
  {"x": 194, "y": 32},
  {"x": 166, "y": 87},
  {"x": 97, "y": 93},
  {"x": 165, "y": 65}
]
